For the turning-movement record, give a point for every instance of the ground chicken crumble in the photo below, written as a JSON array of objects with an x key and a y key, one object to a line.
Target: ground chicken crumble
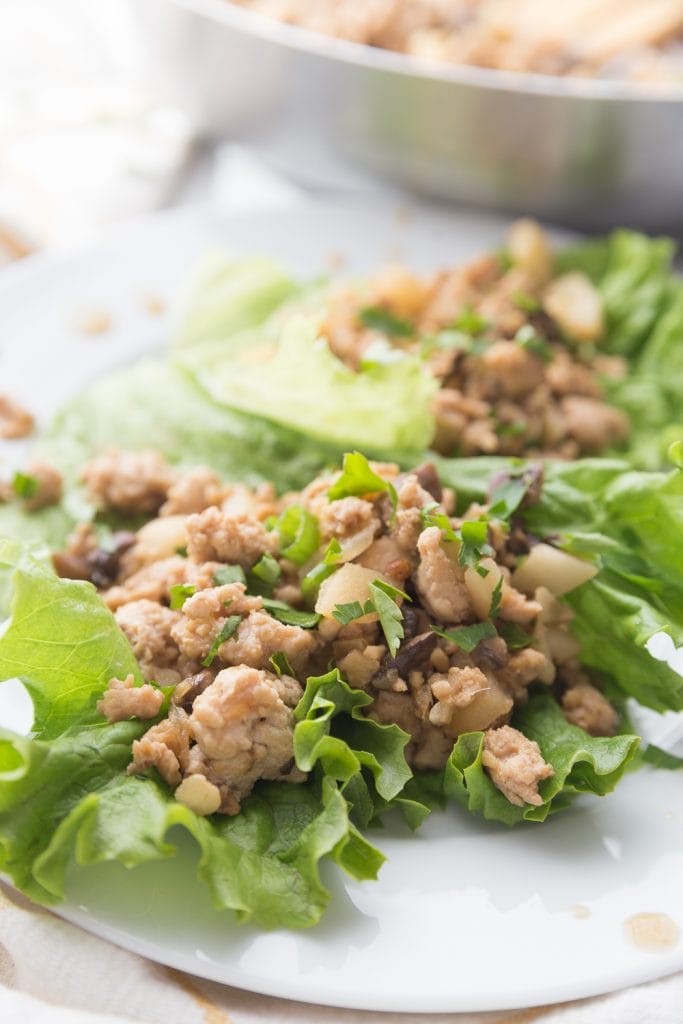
[
  {"x": 179, "y": 590},
  {"x": 514, "y": 344}
]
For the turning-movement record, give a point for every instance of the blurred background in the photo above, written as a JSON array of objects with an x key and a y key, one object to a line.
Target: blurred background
[{"x": 112, "y": 108}]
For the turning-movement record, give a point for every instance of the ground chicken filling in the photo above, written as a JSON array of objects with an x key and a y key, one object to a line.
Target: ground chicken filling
[
  {"x": 514, "y": 344},
  {"x": 233, "y": 597},
  {"x": 605, "y": 38}
]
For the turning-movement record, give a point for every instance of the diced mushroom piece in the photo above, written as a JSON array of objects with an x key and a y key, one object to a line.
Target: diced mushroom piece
[
  {"x": 576, "y": 306},
  {"x": 546, "y": 566}
]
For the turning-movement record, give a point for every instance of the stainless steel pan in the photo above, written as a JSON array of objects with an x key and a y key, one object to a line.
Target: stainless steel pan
[{"x": 590, "y": 153}]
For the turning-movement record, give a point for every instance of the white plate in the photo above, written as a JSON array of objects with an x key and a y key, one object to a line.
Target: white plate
[{"x": 466, "y": 915}]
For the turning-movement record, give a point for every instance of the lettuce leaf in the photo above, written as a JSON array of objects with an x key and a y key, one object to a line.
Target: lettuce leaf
[
  {"x": 293, "y": 378},
  {"x": 65, "y": 798},
  {"x": 582, "y": 763},
  {"x": 225, "y": 296},
  {"x": 332, "y": 731},
  {"x": 630, "y": 524}
]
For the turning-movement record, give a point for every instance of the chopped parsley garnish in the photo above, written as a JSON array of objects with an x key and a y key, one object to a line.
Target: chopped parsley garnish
[
  {"x": 289, "y": 616},
  {"x": 180, "y": 593},
  {"x": 390, "y": 615},
  {"x": 514, "y": 636},
  {"x": 299, "y": 534},
  {"x": 227, "y": 630},
  {"x": 24, "y": 486},
  {"x": 229, "y": 574},
  {"x": 358, "y": 479},
  {"x": 496, "y": 598},
  {"x": 280, "y": 663},
  {"x": 182, "y": 551},
  {"x": 310, "y": 584},
  {"x": 471, "y": 538},
  {"x": 508, "y": 495},
  {"x": 263, "y": 576},
  {"x": 526, "y": 302},
  {"x": 470, "y": 322},
  {"x": 467, "y": 637},
  {"x": 527, "y": 338},
  {"x": 505, "y": 429},
  {"x": 382, "y": 601},
  {"x": 379, "y": 319}
]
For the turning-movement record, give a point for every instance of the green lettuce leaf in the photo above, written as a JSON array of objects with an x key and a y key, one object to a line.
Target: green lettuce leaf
[
  {"x": 225, "y": 296},
  {"x": 333, "y": 732},
  {"x": 292, "y": 377},
  {"x": 630, "y": 524},
  {"x": 65, "y": 798},
  {"x": 64, "y": 644},
  {"x": 582, "y": 764}
]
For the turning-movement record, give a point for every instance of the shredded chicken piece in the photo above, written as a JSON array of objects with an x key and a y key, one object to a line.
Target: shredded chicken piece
[
  {"x": 524, "y": 668},
  {"x": 123, "y": 699},
  {"x": 193, "y": 492},
  {"x": 130, "y": 482},
  {"x": 261, "y": 636},
  {"x": 48, "y": 485},
  {"x": 243, "y": 728},
  {"x": 585, "y": 706},
  {"x": 455, "y": 690},
  {"x": 15, "y": 421},
  {"x": 166, "y": 747},
  {"x": 515, "y": 765},
  {"x": 149, "y": 628},
  {"x": 202, "y": 615},
  {"x": 214, "y": 535},
  {"x": 346, "y": 517},
  {"x": 593, "y": 424},
  {"x": 439, "y": 580},
  {"x": 153, "y": 583}
]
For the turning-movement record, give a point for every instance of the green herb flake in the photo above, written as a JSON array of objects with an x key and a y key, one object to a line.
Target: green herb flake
[
  {"x": 359, "y": 480},
  {"x": 514, "y": 636},
  {"x": 383, "y": 597},
  {"x": 310, "y": 584},
  {"x": 24, "y": 486},
  {"x": 470, "y": 322},
  {"x": 299, "y": 534},
  {"x": 527, "y": 338},
  {"x": 229, "y": 574},
  {"x": 526, "y": 302},
  {"x": 280, "y": 663},
  {"x": 508, "y": 496},
  {"x": 227, "y": 630},
  {"x": 379, "y": 319},
  {"x": 179, "y": 594},
  {"x": 496, "y": 598},
  {"x": 263, "y": 576},
  {"x": 289, "y": 616},
  {"x": 346, "y": 613},
  {"x": 467, "y": 637}
]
